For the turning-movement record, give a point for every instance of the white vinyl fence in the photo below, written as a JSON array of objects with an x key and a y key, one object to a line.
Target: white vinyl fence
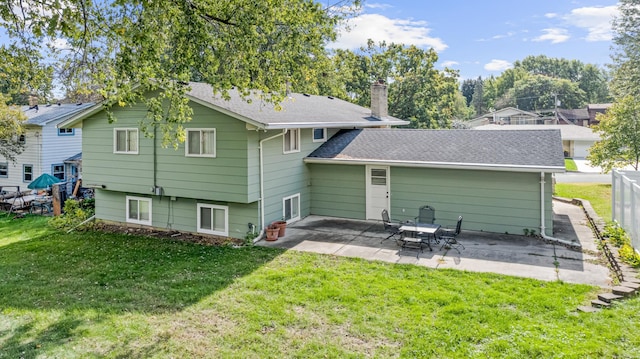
[{"x": 625, "y": 203}]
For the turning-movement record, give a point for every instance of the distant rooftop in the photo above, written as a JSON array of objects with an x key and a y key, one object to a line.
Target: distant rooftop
[{"x": 40, "y": 115}]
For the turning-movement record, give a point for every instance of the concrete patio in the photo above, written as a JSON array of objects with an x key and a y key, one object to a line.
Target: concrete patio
[{"x": 508, "y": 254}]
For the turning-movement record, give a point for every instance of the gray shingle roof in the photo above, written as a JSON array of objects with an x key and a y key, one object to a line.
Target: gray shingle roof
[
  {"x": 525, "y": 150},
  {"x": 298, "y": 110},
  {"x": 44, "y": 114}
]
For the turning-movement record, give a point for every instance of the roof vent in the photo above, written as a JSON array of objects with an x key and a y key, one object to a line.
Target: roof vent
[
  {"x": 306, "y": 95},
  {"x": 330, "y": 97}
]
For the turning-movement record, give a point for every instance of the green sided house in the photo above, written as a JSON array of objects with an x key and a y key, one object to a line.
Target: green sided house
[{"x": 244, "y": 165}]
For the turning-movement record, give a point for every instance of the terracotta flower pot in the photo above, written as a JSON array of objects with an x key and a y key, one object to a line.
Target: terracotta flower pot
[
  {"x": 282, "y": 226},
  {"x": 272, "y": 233}
]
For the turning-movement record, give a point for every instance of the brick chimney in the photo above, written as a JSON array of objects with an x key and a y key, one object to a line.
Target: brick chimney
[{"x": 379, "y": 100}]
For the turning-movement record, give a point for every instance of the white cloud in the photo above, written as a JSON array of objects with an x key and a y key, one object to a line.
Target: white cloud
[
  {"x": 378, "y": 6},
  {"x": 381, "y": 28},
  {"x": 555, "y": 35},
  {"x": 596, "y": 20},
  {"x": 498, "y": 65},
  {"x": 59, "y": 44},
  {"x": 449, "y": 63},
  {"x": 550, "y": 15}
]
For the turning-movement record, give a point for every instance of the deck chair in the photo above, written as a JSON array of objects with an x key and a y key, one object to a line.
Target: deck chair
[
  {"x": 392, "y": 228},
  {"x": 426, "y": 214},
  {"x": 449, "y": 237}
]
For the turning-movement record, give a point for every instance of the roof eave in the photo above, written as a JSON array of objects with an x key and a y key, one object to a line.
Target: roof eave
[
  {"x": 444, "y": 165},
  {"x": 75, "y": 121},
  {"x": 320, "y": 124}
]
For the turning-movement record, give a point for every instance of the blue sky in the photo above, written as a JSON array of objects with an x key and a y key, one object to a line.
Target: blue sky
[{"x": 483, "y": 38}]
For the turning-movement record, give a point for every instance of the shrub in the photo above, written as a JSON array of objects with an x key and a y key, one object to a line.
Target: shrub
[
  {"x": 629, "y": 255},
  {"x": 74, "y": 213},
  {"x": 617, "y": 236}
]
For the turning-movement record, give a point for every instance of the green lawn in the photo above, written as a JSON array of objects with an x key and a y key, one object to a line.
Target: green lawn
[
  {"x": 103, "y": 295},
  {"x": 570, "y": 165},
  {"x": 598, "y": 194}
]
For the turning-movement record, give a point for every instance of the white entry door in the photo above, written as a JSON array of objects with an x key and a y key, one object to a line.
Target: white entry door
[{"x": 377, "y": 191}]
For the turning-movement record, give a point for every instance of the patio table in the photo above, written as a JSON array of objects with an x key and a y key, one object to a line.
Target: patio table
[{"x": 415, "y": 233}]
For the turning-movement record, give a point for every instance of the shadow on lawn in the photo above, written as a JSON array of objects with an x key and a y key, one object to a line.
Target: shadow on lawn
[{"x": 118, "y": 273}]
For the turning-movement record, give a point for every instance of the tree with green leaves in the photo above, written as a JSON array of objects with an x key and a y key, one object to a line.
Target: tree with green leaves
[
  {"x": 619, "y": 129},
  {"x": 478, "y": 101},
  {"x": 22, "y": 75},
  {"x": 467, "y": 88},
  {"x": 124, "y": 50},
  {"x": 539, "y": 92},
  {"x": 626, "y": 54},
  {"x": 418, "y": 92},
  {"x": 11, "y": 120}
]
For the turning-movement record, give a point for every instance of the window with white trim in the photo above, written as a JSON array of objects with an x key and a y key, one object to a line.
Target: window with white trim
[
  {"x": 27, "y": 173},
  {"x": 66, "y": 132},
  {"x": 291, "y": 208},
  {"x": 213, "y": 219},
  {"x": 319, "y": 135},
  {"x": 125, "y": 140},
  {"x": 4, "y": 169},
  {"x": 201, "y": 142},
  {"x": 22, "y": 139},
  {"x": 57, "y": 171},
  {"x": 291, "y": 141},
  {"x": 139, "y": 210}
]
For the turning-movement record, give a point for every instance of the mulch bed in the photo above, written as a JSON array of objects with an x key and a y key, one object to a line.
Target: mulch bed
[{"x": 209, "y": 240}]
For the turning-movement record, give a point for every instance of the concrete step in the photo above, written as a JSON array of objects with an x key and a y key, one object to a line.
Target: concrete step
[
  {"x": 600, "y": 304},
  {"x": 623, "y": 291},
  {"x": 628, "y": 284},
  {"x": 631, "y": 279},
  {"x": 587, "y": 309},
  {"x": 609, "y": 297}
]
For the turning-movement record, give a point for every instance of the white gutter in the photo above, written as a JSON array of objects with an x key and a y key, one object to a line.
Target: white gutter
[
  {"x": 261, "y": 150},
  {"x": 447, "y": 165},
  {"x": 565, "y": 242}
]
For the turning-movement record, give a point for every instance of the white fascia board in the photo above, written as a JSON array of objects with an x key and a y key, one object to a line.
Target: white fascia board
[{"x": 445, "y": 165}]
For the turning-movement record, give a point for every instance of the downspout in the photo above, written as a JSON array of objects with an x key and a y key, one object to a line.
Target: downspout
[
  {"x": 542, "y": 221},
  {"x": 261, "y": 150}
]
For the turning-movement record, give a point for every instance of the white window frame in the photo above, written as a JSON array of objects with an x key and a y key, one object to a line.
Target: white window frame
[
  {"x": 66, "y": 132},
  {"x": 4, "y": 165},
  {"x": 139, "y": 199},
  {"x": 201, "y": 130},
  {"x": 199, "y": 228},
  {"x": 63, "y": 172},
  {"x": 295, "y": 197},
  {"x": 324, "y": 135},
  {"x": 24, "y": 172},
  {"x": 292, "y": 137},
  {"x": 115, "y": 141}
]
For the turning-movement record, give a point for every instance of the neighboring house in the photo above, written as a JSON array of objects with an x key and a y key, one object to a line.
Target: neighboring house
[
  {"x": 507, "y": 116},
  {"x": 578, "y": 116},
  {"x": 46, "y": 146},
  {"x": 576, "y": 140},
  {"x": 244, "y": 165},
  {"x": 594, "y": 109}
]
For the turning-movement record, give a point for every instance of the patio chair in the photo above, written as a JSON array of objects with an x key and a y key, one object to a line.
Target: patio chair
[
  {"x": 450, "y": 237},
  {"x": 392, "y": 228},
  {"x": 426, "y": 214}
]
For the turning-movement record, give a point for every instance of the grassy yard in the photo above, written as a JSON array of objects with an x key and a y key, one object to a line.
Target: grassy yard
[
  {"x": 598, "y": 194},
  {"x": 570, "y": 165},
  {"x": 103, "y": 295}
]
